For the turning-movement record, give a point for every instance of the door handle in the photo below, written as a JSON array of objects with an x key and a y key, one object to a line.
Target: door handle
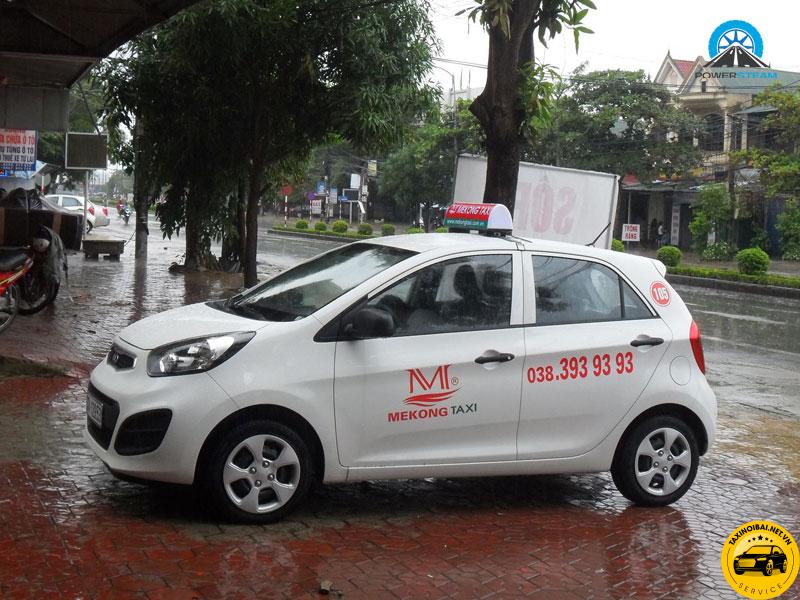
[
  {"x": 491, "y": 356},
  {"x": 646, "y": 340}
]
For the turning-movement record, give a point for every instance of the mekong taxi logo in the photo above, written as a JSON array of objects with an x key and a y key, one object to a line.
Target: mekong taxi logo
[
  {"x": 760, "y": 559},
  {"x": 427, "y": 396}
]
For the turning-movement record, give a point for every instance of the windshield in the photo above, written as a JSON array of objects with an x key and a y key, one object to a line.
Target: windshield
[
  {"x": 306, "y": 288},
  {"x": 759, "y": 550}
]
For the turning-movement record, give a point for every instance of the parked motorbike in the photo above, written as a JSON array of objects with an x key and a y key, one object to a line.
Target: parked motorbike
[{"x": 30, "y": 277}]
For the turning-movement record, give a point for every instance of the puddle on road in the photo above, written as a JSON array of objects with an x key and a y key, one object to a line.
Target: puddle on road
[{"x": 772, "y": 442}]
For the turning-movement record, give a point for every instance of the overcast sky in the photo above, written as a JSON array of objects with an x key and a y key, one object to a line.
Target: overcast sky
[{"x": 628, "y": 34}]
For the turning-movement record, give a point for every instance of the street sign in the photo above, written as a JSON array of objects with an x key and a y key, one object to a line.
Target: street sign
[
  {"x": 372, "y": 168},
  {"x": 334, "y": 195},
  {"x": 316, "y": 206},
  {"x": 321, "y": 187},
  {"x": 286, "y": 190},
  {"x": 630, "y": 232},
  {"x": 355, "y": 180},
  {"x": 17, "y": 149},
  {"x": 86, "y": 151}
]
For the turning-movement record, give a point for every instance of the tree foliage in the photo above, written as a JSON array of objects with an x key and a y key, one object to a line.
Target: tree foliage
[
  {"x": 240, "y": 90},
  {"x": 618, "y": 122},
  {"x": 420, "y": 170},
  {"x": 779, "y": 164}
]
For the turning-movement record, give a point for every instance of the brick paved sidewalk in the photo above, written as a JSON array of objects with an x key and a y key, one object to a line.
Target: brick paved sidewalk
[{"x": 68, "y": 529}]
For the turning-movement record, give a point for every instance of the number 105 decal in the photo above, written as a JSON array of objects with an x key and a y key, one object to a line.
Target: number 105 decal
[{"x": 580, "y": 367}]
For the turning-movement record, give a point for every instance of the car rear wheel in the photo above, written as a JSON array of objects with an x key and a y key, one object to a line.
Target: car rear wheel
[
  {"x": 258, "y": 472},
  {"x": 657, "y": 461}
]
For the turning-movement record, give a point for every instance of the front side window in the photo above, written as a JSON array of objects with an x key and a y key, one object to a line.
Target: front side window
[
  {"x": 461, "y": 294},
  {"x": 306, "y": 288},
  {"x": 580, "y": 291}
]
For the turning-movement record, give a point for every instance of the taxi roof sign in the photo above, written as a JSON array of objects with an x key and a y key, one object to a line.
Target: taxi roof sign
[{"x": 484, "y": 218}]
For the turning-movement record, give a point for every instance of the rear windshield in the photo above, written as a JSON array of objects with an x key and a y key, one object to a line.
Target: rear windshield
[{"x": 306, "y": 288}]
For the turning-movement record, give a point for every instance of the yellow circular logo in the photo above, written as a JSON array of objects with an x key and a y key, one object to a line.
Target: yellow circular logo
[{"x": 760, "y": 559}]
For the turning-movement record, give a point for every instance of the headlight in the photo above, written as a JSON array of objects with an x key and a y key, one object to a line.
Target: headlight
[{"x": 197, "y": 355}]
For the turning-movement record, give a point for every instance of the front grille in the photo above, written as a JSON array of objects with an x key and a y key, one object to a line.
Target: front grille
[
  {"x": 119, "y": 359},
  {"x": 142, "y": 432},
  {"x": 102, "y": 435}
]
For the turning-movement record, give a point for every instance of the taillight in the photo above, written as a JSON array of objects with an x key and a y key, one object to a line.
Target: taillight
[
  {"x": 105, "y": 211},
  {"x": 91, "y": 209},
  {"x": 697, "y": 347}
]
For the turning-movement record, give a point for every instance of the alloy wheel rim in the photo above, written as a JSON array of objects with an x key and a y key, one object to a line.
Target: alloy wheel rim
[
  {"x": 261, "y": 474},
  {"x": 663, "y": 461}
]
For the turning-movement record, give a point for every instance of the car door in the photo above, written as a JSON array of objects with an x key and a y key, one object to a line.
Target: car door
[
  {"x": 445, "y": 387},
  {"x": 582, "y": 372}
]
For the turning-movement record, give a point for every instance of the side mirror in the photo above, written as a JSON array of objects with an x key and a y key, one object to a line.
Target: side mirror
[{"x": 370, "y": 322}]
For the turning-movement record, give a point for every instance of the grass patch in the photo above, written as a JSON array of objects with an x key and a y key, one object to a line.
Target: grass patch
[
  {"x": 13, "y": 367},
  {"x": 323, "y": 234},
  {"x": 731, "y": 275}
]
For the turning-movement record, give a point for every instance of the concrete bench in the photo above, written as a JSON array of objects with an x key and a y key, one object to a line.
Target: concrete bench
[{"x": 92, "y": 248}]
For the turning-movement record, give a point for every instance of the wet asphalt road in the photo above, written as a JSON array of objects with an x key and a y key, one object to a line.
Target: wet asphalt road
[{"x": 752, "y": 347}]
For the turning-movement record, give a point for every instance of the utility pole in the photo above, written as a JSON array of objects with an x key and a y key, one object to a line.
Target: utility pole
[{"x": 455, "y": 132}]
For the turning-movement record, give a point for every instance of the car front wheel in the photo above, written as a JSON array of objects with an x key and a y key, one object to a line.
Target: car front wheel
[
  {"x": 768, "y": 568},
  {"x": 657, "y": 461},
  {"x": 258, "y": 472}
]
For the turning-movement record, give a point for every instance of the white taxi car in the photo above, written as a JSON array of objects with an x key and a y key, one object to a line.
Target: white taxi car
[{"x": 413, "y": 356}]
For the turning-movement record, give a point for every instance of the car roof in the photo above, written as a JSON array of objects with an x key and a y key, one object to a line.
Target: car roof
[
  {"x": 465, "y": 242},
  {"x": 456, "y": 242}
]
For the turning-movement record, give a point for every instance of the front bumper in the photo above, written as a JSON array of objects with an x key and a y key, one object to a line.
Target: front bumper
[{"x": 196, "y": 405}]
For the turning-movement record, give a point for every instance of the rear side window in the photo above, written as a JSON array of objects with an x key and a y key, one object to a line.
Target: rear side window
[{"x": 579, "y": 291}]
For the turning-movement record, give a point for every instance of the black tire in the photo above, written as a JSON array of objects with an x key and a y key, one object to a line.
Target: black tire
[
  {"x": 738, "y": 571},
  {"x": 43, "y": 294},
  {"x": 783, "y": 566},
  {"x": 212, "y": 483},
  {"x": 768, "y": 568},
  {"x": 12, "y": 298},
  {"x": 89, "y": 227},
  {"x": 623, "y": 469}
]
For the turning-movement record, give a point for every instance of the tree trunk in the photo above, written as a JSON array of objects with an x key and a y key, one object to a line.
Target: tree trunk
[
  {"x": 140, "y": 197},
  {"x": 498, "y": 108},
  {"x": 198, "y": 246},
  {"x": 241, "y": 218},
  {"x": 251, "y": 243}
]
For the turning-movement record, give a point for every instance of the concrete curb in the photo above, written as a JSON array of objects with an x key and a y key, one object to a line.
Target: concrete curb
[{"x": 736, "y": 286}]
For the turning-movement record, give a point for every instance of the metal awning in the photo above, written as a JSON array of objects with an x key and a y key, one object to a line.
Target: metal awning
[{"x": 52, "y": 43}]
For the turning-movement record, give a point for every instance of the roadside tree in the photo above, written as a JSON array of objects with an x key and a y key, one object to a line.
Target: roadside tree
[{"x": 518, "y": 92}]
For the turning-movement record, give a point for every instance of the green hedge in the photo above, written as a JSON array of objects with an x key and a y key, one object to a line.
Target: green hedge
[
  {"x": 752, "y": 261},
  {"x": 415, "y": 230},
  {"x": 301, "y": 224},
  {"x": 320, "y": 226},
  {"x": 669, "y": 255},
  {"x": 730, "y": 275},
  {"x": 365, "y": 229},
  {"x": 339, "y": 226},
  {"x": 387, "y": 229},
  {"x": 330, "y": 234},
  {"x": 442, "y": 230},
  {"x": 617, "y": 245}
]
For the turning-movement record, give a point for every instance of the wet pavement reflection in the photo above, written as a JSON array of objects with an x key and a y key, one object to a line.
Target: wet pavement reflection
[{"x": 69, "y": 529}]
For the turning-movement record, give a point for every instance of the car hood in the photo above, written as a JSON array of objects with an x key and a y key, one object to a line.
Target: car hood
[{"x": 186, "y": 322}]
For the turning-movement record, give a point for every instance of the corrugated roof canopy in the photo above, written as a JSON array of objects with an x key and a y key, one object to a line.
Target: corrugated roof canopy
[{"x": 51, "y": 43}]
